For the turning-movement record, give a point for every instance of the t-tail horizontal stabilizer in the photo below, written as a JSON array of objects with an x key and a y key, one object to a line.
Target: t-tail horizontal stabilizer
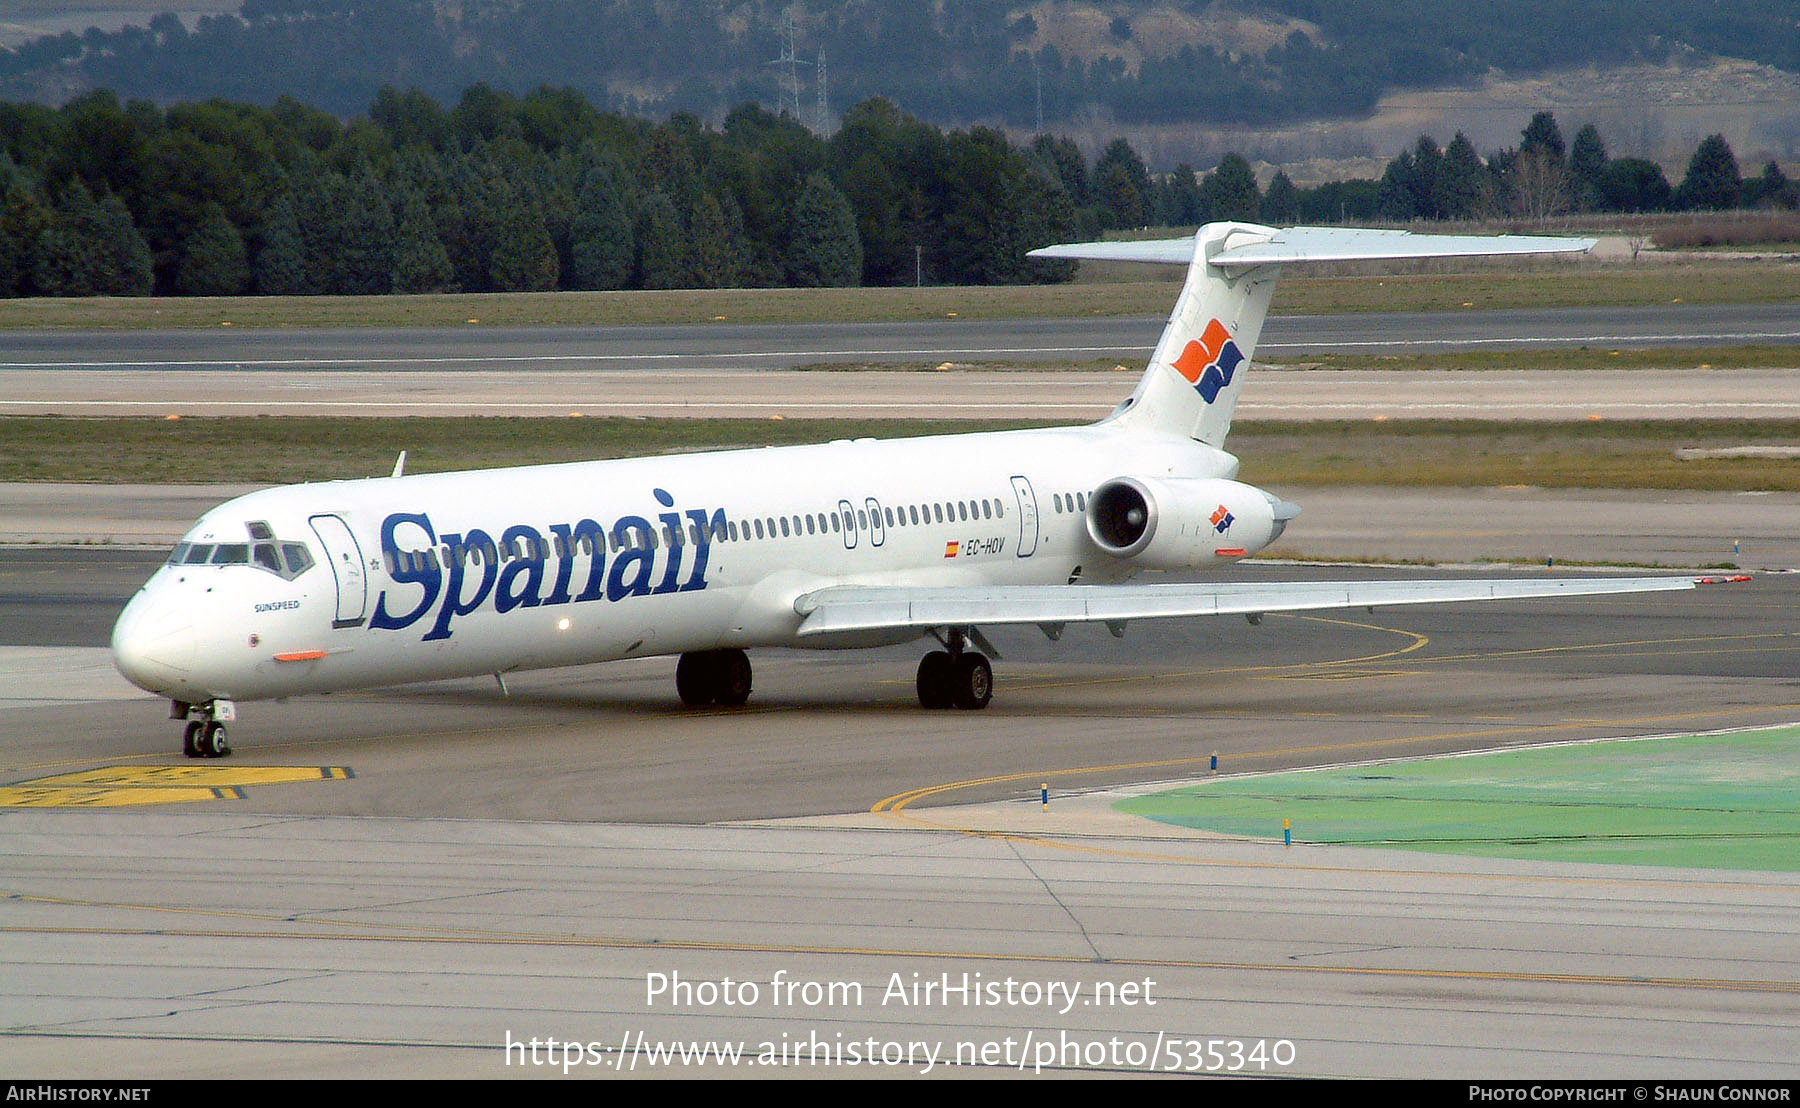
[{"x": 1191, "y": 385}]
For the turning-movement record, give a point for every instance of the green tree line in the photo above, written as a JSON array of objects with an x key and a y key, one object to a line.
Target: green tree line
[
  {"x": 546, "y": 191},
  {"x": 1544, "y": 176},
  {"x": 505, "y": 193}
]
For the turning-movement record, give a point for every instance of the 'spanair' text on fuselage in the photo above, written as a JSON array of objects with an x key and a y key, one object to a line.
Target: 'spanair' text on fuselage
[{"x": 513, "y": 570}]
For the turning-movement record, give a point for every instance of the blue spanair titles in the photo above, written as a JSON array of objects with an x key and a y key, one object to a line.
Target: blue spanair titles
[{"x": 467, "y": 572}]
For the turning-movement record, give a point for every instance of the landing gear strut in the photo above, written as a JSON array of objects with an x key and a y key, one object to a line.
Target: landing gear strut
[
  {"x": 957, "y": 677},
  {"x": 719, "y": 677},
  {"x": 205, "y": 735}
]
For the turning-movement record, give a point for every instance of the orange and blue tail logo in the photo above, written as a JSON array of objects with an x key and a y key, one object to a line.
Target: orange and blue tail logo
[{"x": 1209, "y": 362}]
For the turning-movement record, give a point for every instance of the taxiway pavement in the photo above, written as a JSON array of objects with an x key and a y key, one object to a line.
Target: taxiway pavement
[
  {"x": 467, "y": 869},
  {"x": 464, "y": 868},
  {"x": 740, "y": 370}
]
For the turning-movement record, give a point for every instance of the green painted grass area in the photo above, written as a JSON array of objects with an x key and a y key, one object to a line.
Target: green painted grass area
[{"x": 1723, "y": 801}]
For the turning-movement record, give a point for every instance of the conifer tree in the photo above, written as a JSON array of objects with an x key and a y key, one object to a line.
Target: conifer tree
[
  {"x": 1712, "y": 181},
  {"x": 126, "y": 256},
  {"x": 1634, "y": 185},
  {"x": 824, "y": 249},
  {"x": 1464, "y": 189},
  {"x": 1543, "y": 134},
  {"x": 280, "y": 268},
  {"x": 663, "y": 257},
  {"x": 91, "y": 248},
  {"x": 602, "y": 237},
  {"x": 1230, "y": 192},
  {"x": 1281, "y": 204},
  {"x": 1122, "y": 185},
  {"x": 213, "y": 262},
  {"x": 524, "y": 257},
  {"x": 713, "y": 246},
  {"x": 420, "y": 261},
  {"x": 23, "y": 219},
  {"x": 1587, "y": 162},
  {"x": 1182, "y": 204}
]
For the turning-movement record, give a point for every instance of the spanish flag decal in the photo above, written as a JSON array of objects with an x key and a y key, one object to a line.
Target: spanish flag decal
[{"x": 950, "y": 549}]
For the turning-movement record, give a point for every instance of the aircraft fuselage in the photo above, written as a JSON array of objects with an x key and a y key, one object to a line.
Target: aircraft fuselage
[{"x": 465, "y": 573}]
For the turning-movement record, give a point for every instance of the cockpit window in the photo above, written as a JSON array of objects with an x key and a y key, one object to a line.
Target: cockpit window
[
  {"x": 297, "y": 557},
  {"x": 287, "y": 560},
  {"x": 231, "y": 554}
]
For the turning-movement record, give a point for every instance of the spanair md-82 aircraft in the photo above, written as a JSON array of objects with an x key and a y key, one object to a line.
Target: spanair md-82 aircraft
[{"x": 351, "y": 584}]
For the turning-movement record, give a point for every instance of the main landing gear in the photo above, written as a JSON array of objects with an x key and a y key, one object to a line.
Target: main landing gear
[
  {"x": 719, "y": 677},
  {"x": 205, "y": 736},
  {"x": 957, "y": 677}
]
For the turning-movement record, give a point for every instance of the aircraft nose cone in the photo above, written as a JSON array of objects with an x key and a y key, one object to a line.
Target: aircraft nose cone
[{"x": 153, "y": 645}]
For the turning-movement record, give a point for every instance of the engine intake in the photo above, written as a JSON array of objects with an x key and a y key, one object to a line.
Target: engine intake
[{"x": 1122, "y": 517}]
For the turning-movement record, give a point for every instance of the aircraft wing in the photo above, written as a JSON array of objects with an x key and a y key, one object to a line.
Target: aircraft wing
[{"x": 868, "y": 608}]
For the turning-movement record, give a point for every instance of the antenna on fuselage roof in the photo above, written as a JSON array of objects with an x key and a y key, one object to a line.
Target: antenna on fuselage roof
[{"x": 399, "y": 465}]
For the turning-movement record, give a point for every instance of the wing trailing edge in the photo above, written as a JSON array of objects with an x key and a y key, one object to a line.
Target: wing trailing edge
[{"x": 860, "y": 608}]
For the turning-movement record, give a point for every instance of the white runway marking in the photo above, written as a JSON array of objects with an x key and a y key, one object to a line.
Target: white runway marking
[
  {"x": 939, "y": 352},
  {"x": 925, "y": 351}
]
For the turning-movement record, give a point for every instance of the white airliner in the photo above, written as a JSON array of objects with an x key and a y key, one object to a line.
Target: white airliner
[{"x": 351, "y": 584}]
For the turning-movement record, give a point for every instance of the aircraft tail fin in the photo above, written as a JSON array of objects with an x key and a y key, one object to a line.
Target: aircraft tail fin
[{"x": 1192, "y": 382}]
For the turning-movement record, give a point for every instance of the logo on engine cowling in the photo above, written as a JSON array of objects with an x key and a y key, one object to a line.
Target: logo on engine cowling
[
  {"x": 1209, "y": 362},
  {"x": 1222, "y": 519}
]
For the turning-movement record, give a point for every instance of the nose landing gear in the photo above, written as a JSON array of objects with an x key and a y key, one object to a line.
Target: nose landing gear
[{"x": 205, "y": 736}]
